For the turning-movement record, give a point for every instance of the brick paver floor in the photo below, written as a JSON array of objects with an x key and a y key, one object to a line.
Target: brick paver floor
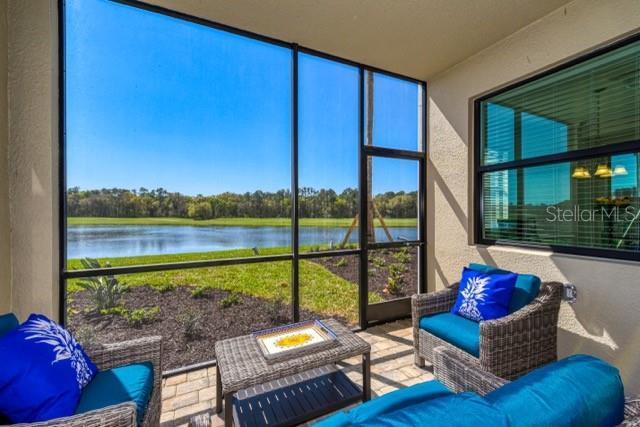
[{"x": 186, "y": 395}]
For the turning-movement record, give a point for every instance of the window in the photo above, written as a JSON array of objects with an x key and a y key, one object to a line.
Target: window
[
  {"x": 557, "y": 158},
  {"x": 212, "y": 182}
]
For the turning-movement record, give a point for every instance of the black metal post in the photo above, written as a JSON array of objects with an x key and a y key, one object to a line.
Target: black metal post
[
  {"x": 363, "y": 299},
  {"x": 295, "y": 235},
  {"x": 62, "y": 174},
  {"x": 218, "y": 390},
  {"x": 422, "y": 197},
  {"x": 366, "y": 376}
]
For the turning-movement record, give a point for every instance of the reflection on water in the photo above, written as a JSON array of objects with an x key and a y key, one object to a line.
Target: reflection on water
[{"x": 130, "y": 240}]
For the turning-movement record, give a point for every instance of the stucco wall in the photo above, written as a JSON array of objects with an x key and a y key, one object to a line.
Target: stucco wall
[
  {"x": 33, "y": 100},
  {"x": 5, "y": 231},
  {"x": 606, "y": 319}
]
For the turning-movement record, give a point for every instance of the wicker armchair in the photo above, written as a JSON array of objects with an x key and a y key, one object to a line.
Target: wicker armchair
[
  {"x": 453, "y": 372},
  {"x": 123, "y": 415},
  {"x": 510, "y": 346}
]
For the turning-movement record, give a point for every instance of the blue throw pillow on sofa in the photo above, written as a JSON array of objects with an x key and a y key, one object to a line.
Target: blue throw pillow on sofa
[
  {"x": 484, "y": 296},
  {"x": 44, "y": 371}
]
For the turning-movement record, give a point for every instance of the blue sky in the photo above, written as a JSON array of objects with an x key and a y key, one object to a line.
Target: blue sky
[{"x": 152, "y": 101}]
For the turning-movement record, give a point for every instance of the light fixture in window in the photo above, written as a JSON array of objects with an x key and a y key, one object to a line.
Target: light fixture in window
[
  {"x": 603, "y": 171},
  {"x": 620, "y": 170},
  {"x": 580, "y": 172}
]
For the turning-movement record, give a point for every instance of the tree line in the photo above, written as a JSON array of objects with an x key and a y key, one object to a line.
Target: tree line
[{"x": 323, "y": 203}]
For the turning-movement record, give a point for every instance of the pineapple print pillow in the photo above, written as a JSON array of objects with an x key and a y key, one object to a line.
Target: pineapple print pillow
[
  {"x": 484, "y": 296},
  {"x": 43, "y": 371}
]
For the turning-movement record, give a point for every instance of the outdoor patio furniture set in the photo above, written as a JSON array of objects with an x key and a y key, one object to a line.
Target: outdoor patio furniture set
[{"x": 501, "y": 372}]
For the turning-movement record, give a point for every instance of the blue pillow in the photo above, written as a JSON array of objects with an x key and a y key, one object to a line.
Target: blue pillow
[
  {"x": 526, "y": 290},
  {"x": 484, "y": 296},
  {"x": 44, "y": 371}
]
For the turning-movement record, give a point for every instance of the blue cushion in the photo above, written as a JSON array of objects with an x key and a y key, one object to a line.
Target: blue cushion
[
  {"x": 387, "y": 403},
  {"x": 484, "y": 296},
  {"x": 578, "y": 391},
  {"x": 43, "y": 373},
  {"x": 130, "y": 383},
  {"x": 526, "y": 289},
  {"x": 8, "y": 322},
  {"x": 456, "y": 330},
  {"x": 464, "y": 409}
]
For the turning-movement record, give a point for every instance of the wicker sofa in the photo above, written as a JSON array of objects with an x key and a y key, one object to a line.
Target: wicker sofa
[
  {"x": 457, "y": 376},
  {"x": 508, "y": 347},
  {"x": 578, "y": 390},
  {"x": 109, "y": 356}
]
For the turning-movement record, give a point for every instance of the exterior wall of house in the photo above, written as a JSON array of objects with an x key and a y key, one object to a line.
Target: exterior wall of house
[
  {"x": 605, "y": 321},
  {"x": 5, "y": 230},
  {"x": 32, "y": 156}
]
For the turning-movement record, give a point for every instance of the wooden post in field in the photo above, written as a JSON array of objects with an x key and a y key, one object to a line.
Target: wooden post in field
[
  {"x": 371, "y": 235},
  {"x": 372, "y": 210}
]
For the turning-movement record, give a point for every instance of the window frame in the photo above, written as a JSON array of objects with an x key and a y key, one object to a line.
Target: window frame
[
  {"x": 631, "y": 146},
  {"x": 294, "y": 256}
]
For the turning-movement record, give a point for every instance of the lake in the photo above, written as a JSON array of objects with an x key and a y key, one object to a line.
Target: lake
[{"x": 98, "y": 241}]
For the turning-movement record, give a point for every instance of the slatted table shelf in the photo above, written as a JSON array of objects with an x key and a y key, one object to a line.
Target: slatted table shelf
[
  {"x": 256, "y": 392},
  {"x": 295, "y": 399}
]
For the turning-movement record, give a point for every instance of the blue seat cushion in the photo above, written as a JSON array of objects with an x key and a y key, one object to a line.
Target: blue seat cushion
[
  {"x": 456, "y": 330},
  {"x": 577, "y": 391},
  {"x": 387, "y": 403},
  {"x": 130, "y": 383},
  {"x": 8, "y": 322},
  {"x": 526, "y": 289},
  {"x": 460, "y": 410}
]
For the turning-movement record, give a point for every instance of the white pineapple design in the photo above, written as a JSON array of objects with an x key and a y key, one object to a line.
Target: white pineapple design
[
  {"x": 473, "y": 293},
  {"x": 64, "y": 346}
]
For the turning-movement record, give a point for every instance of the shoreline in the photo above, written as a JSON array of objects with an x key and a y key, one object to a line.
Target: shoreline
[{"x": 234, "y": 222}]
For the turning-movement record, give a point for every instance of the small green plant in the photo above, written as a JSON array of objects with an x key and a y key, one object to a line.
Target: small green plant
[
  {"x": 104, "y": 291},
  {"x": 198, "y": 292},
  {"x": 165, "y": 287},
  {"x": 395, "y": 279},
  {"x": 135, "y": 317},
  {"x": 116, "y": 311},
  {"x": 403, "y": 256},
  {"x": 342, "y": 262},
  {"x": 377, "y": 261},
  {"x": 191, "y": 322},
  {"x": 230, "y": 300},
  {"x": 141, "y": 316}
]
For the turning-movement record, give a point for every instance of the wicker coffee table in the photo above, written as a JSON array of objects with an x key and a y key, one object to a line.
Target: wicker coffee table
[{"x": 290, "y": 392}]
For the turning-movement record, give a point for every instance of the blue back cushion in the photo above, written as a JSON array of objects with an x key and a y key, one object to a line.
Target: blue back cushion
[
  {"x": 43, "y": 373},
  {"x": 525, "y": 291},
  {"x": 462, "y": 333},
  {"x": 579, "y": 390},
  {"x": 387, "y": 403},
  {"x": 464, "y": 409},
  {"x": 484, "y": 296},
  {"x": 8, "y": 322},
  {"x": 130, "y": 383}
]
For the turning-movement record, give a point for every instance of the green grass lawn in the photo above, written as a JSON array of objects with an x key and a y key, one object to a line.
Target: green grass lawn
[
  {"x": 244, "y": 222},
  {"x": 320, "y": 290}
]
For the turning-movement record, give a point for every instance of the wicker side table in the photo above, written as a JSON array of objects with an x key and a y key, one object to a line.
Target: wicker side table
[{"x": 241, "y": 367}]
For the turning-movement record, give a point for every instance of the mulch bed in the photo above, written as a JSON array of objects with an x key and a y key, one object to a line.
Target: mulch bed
[
  {"x": 380, "y": 261},
  {"x": 214, "y": 322}
]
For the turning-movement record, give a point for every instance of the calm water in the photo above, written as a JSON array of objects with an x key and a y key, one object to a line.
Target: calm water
[{"x": 128, "y": 240}]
